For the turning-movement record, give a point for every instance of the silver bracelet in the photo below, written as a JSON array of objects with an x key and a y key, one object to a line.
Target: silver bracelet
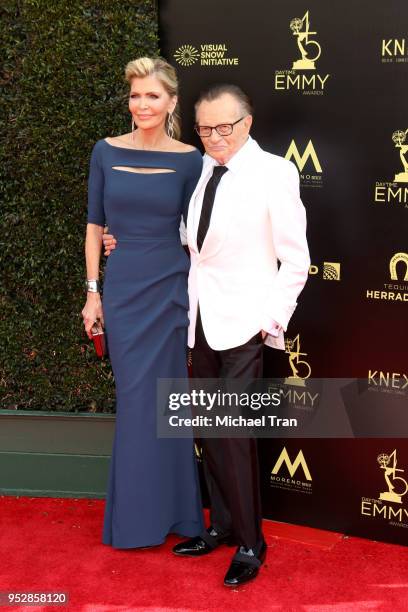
[{"x": 93, "y": 286}]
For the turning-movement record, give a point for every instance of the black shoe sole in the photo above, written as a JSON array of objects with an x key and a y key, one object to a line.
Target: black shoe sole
[{"x": 191, "y": 555}]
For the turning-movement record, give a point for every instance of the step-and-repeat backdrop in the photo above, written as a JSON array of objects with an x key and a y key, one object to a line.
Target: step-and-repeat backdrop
[{"x": 329, "y": 82}]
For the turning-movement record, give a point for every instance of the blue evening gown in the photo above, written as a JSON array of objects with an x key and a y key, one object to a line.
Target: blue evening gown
[{"x": 153, "y": 485}]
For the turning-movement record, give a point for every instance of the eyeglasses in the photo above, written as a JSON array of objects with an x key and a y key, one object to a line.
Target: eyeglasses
[{"x": 223, "y": 129}]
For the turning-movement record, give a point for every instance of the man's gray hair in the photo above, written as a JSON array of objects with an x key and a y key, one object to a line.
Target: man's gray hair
[{"x": 213, "y": 92}]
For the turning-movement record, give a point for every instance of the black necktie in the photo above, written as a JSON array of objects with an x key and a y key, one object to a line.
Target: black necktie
[{"x": 208, "y": 203}]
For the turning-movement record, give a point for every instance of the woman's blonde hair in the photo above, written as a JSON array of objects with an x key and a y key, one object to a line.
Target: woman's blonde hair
[{"x": 166, "y": 74}]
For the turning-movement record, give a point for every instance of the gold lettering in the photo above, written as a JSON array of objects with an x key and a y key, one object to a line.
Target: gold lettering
[
  {"x": 365, "y": 507},
  {"x": 310, "y": 81},
  {"x": 301, "y": 160},
  {"x": 395, "y": 194},
  {"x": 286, "y": 394},
  {"x": 210, "y": 54},
  {"x": 322, "y": 81},
  {"x": 294, "y": 81},
  {"x": 371, "y": 377},
  {"x": 279, "y": 81},
  {"x": 385, "y": 47},
  {"x": 395, "y": 514},
  {"x": 379, "y": 191},
  {"x": 395, "y": 380},
  {"x": 292, "y": 467},
  {"x": 399, "y": 47},
  {"x": 299, "y": 397},
  {"x": 381, "y": 511}
]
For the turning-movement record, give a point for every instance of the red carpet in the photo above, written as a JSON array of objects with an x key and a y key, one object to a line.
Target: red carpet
[{"x": 54, "y": 545}]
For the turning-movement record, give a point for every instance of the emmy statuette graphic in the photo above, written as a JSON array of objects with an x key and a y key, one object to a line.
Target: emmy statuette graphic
[
  {"x": 398, "y": 139},
  {"x": 392, "y": 495},
  {"x": 306, "y": 46},
  {"x": 301, "y": 370}
]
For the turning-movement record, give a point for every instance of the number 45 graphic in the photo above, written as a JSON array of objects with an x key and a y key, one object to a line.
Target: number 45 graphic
[{"x": 310, "y": 49}]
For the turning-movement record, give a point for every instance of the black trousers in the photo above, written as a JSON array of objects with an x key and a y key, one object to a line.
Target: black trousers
[{"x": 231, "y": 464}]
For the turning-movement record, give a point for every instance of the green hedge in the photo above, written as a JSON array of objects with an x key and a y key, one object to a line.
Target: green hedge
[{"x": 62, "y": 89}]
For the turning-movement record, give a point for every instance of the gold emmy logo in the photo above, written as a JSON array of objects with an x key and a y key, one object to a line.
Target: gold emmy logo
[
  {"x": 393, "y": 265},
  {"x": 310, "y": 49},
  {"x": 398, "y": 139},
  {"x": 331, "y": 270},
  {"x": 186, "y": 55},
  {"x": 301, "y": 160},
  {"x": 303, "y": 76},
  {"x": 395, "y": 192},
  {"x": 292, "y": 467},
  {"x": 397, "y": 486},
  {"x": 301, "y": 370}
]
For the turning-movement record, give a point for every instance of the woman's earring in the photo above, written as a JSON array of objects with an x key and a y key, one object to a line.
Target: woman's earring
[
  {"x": 133, "y": 129},
  {"x": 170, "y": 125}
]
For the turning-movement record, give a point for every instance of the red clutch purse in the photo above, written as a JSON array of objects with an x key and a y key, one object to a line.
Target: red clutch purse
[{"x": 99, "y": 340}]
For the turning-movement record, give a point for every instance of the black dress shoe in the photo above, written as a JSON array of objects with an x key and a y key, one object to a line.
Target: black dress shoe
[
  {"x": 202, "y": 545},
  {"x": 245, "y": 566}
]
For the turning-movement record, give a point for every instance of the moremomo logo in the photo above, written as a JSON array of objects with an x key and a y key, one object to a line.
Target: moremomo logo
[
  {"x": 186, "y": 55},
  {"x": 395, "y": 192},
  {"x": 290, "y": 468},
  {"x": 302, "y": 75},
  {"x": 208, "y": 54},
  {"x": 308, "y": 159}
]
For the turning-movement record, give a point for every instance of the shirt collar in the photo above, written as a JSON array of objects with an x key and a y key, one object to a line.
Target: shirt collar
[{"x": 236, "y": 161}]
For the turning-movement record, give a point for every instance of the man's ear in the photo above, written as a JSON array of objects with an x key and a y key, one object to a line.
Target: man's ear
[{"x": 248, "y": 122}]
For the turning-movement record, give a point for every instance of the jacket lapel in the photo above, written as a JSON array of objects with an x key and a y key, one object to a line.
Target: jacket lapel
[
  {"x": 220, "y": 223},
  {"x": 222, "y": 213},
  {"x": 191, "y": 235}
]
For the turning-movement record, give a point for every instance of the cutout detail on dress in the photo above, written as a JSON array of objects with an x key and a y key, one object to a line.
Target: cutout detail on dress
[{"x": 142, "y": 170}]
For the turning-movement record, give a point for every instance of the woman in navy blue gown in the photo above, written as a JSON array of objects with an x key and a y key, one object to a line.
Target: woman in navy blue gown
[{"x": 140, "y": 184}]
